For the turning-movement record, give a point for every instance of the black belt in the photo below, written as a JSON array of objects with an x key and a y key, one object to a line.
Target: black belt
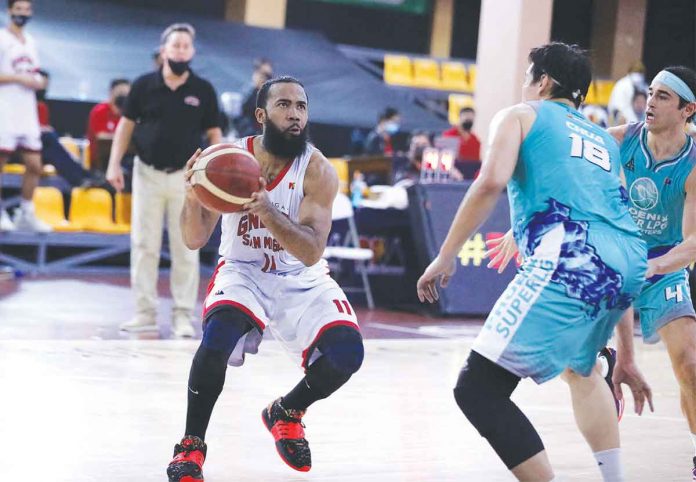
[{"x": 166, "y": 170}]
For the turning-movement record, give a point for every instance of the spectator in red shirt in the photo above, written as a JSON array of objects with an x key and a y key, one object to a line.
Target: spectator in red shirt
[
  {"x": 469, "y": 158},
  {"x": 104, "y": 117},
  {"x": 53, "y": 152}
]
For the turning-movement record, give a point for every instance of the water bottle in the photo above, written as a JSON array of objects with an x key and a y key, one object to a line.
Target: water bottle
[{"x": 356, "y": 188}]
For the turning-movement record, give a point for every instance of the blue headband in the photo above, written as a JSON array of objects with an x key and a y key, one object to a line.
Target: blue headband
[{"x": 676, "y": 84}]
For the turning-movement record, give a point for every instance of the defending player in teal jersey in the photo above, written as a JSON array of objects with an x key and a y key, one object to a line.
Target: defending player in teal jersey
[
  {"x": 584, "y": 264},
  {"x": 658, "y": 161}
]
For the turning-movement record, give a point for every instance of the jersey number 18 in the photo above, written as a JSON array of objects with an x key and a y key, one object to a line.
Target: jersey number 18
[{"x": 597, "y": 155}]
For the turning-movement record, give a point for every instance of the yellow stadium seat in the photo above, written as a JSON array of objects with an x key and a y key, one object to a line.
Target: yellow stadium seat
[
  {"x": 471, "y": 70},
  {"x": 92, "y": 209},
  {"x": 87, "y": 156},
  {"x": 341, "y": 166},
  {"x": 456, "y": 103},
  {"x": 123, "y": 208},
  {"x": 603, "y": 91},
  {"x": 426, "y": 73},
  {"x": 591, "y": 97},
  {"x": 20, "y": 169},
  {"x": 48, "y": 202},
  {"x": 398, "y": 70},
  {"x": 13, "y": 169},
  {"x": 454, "y": 77}
]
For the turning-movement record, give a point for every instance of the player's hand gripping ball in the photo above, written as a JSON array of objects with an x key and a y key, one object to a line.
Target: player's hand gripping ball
[{"x": 224, "y": 177}]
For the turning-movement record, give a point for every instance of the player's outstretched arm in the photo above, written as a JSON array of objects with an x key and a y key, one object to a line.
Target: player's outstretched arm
[
  {"x": 683, "y": 254},
  {"x": 306, "y": 239},
  {"x": 197, "y": 222},
  {"x": 505, "y": 138}
]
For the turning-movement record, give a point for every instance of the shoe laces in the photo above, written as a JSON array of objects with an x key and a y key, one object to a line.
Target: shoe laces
[
  {"x": 288, "y": 424},
  {"x": 189, "y": 445}
]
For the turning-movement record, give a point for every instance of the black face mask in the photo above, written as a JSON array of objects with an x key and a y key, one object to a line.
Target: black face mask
[
  {"x": 179, "y": 68},
  {"x": 284, "y": 144},
  {"x": 20, "y": 20},
  {"x": 120, "y": 101},
  {"x": 467, "y": 125}
]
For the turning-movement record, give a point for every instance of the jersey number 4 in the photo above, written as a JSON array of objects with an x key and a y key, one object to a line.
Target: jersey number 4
[
  {"x": 674, "y": 293},
  {"x": 597, "y": 155}
]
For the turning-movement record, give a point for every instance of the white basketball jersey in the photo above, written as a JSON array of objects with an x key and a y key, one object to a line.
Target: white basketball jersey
[
  {"x": 246, "y": 240},
  {"x": 18, "y": 111}
]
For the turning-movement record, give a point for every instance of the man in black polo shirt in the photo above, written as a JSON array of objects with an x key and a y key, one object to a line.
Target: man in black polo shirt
[{"x": 166, "y": 114}]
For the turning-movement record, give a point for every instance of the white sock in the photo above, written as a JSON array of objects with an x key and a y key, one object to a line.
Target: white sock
[
  {"x": 609, "y": 462},
  {"x": 693, "y": 439},
  {"x": 27, "y": 206}
]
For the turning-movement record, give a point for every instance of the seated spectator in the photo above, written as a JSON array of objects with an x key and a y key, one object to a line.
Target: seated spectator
[
  {"x": 469, "y": 156},
  {"x": 639, "y": 104},
  {"x": 596, "y": 114},
  {"x": 53, "y": 152},
  {"x": 621, "y": 98},
  {"x": 410, "y": 173},
  {"x": 104, "y": 117},
  {"x": 246, "y": 124},
  {"x": 379, "y": 140},
  {"x": 469, "y": 145}
]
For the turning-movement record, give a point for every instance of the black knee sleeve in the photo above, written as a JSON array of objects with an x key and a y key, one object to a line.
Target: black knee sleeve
[
  {"x": 343, "y": 348},
  {"x": 342, "y": 353},
  {"x": 483, "y": 393},
  {"x": 223, "y": 330}
]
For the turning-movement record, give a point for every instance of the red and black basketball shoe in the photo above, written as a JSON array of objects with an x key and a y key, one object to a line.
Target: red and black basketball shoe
[
  {"x": 187, "y": 464},
  {"x": 607, "y": 357},
  {"x": 288, "y": 431}
]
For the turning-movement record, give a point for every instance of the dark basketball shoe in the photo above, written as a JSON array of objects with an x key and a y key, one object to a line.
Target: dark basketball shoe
[
  {"x": 187, "y": 464},
  {"x": 288, "y": 431},
  {"x": 693, "y": 472},
  {"x": 608, "y": 354}
]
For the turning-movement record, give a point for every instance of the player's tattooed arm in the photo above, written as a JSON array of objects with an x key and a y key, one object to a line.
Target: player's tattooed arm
[
  {"x": 684, "y": 253},
  {"x": 305, "y": 239},
  {"x": 197, "y": 222}
]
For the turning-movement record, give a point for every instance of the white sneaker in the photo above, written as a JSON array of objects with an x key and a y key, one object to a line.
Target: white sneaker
[
  {"x": 138, "y": 324},
  {"x": 182, "y": 326},
  {"x": 6, "y": 223},
  {"x": 26, "y": 220}
]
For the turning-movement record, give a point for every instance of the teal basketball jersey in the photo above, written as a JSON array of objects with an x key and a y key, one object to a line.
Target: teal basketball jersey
[
  {"x": 656, "y": 190},
  {"x": 567, "y": 168}
]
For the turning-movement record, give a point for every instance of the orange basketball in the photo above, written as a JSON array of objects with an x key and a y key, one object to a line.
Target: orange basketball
[{"x": 224, "y": 177}]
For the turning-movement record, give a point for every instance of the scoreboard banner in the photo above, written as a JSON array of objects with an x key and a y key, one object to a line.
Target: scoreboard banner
[
  {"x": 474, "y": 288},
  {"x": 419, "y": 7}
]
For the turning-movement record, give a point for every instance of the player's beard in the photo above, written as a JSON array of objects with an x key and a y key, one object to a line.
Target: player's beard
[{"x": 283, "y": 144}]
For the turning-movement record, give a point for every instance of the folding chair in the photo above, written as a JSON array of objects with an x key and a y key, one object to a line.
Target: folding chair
[{"x": 351, "y": 250}]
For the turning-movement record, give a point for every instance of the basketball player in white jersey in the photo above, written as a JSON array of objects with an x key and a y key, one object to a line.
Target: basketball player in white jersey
[
  {"x": 271, "y": 276},
  {"x": 19, "y": 120}
]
